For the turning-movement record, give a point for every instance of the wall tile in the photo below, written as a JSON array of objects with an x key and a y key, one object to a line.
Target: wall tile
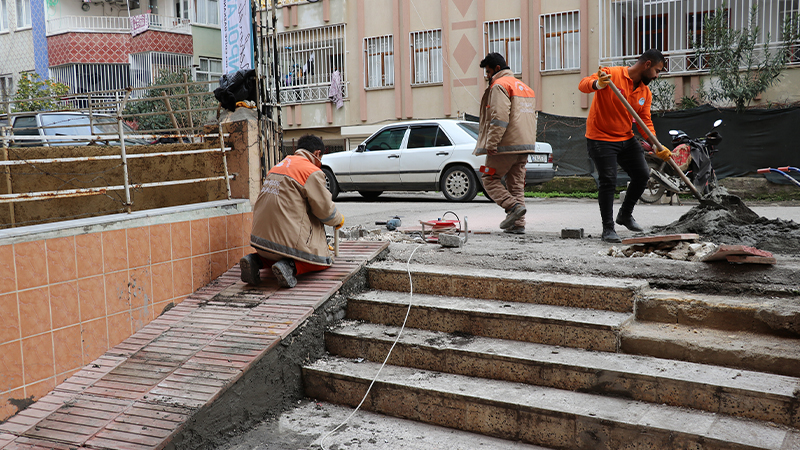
[
  {"x": 8, "y": 280},
  {"x": 94, "y": 336},
  {"x": 119, "y": 328},
  {"x": 8, "y": 409},
  {"x": 11, "y": 365},
  {"x": 218, "y": 264},
  {"x": 61, "y": 259},
  {"x": 117, "y": 292},
  {"x": 38, "y": 353},
  {"x": 158, "y": 308},
  {"x": 182, "y": 277},
  {"x": 40, "y": 389},
  {"x": 181, "y": 235},
  {"x": 142, "y": 316},
  {"x": 247, "y": 227},
  {"x": 200, "y": 237},
  {"x": 92, "y": 298},
  {"x": 30, "y": 259},
  {"x": 234, "y": 255},
  {"x": 201, "y": 271},
  {"x": 160, "y": 243},
  {"x": 64, "y": 304},
  {"x": 34, "y": 311},
  {"x": 141, "y": 287},
  {"x": 162, "y": 282},
  {"x": 68, "y": 350},
  {"x": 138, "y": 247},
  {"x": 115, "y": 251},
  {"x": 233, "y": 229},
  {"x": 218, "y": 234},
  {"x": 9, "y": 318},
  {"x": 62, "y": 377},
  {"x": 89, "y": 251}
]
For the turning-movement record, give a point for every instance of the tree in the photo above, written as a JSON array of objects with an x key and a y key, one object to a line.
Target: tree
[
  {"x": 663, "y": 94},
  {"x": 35, "y": 94},
  {"x": 740, "y": 68}
]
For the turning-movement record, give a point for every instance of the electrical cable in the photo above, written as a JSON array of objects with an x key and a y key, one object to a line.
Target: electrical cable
[{"x": 400, "y": 333}]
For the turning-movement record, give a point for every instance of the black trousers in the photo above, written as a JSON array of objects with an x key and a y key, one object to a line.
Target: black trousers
[{"x": 630, "y": 156}]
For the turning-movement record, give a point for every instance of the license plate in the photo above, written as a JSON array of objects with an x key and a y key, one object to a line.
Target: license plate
[{"x": 538, "y": 158}]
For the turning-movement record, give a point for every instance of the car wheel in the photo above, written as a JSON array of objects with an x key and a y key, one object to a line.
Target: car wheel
[
  {"x": 330, "y": 182},
  {"x": 370, "y": 195},
  {"x": 459, "y": 184}
]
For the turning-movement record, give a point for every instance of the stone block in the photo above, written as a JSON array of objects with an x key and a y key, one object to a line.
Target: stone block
[{"x": 572, "y": 233}]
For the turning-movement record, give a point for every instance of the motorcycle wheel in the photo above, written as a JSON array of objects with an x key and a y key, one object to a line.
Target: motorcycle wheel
[
  {"x": 654, "y": 189},
  {"x": 712, "y": 183}
]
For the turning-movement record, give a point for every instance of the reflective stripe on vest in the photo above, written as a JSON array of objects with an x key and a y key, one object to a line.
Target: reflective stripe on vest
[{"x": 514, "y": 87}]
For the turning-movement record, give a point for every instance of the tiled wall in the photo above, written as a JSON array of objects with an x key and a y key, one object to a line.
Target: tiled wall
[{"x": 65, "y": 300}]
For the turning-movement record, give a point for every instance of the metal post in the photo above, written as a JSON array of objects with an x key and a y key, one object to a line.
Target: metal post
[
  {"x": 188, "y": 103},
  {"x": 8, "y": 175},
  {"x": 224, "y": 160},
  {"x": 123, "y": 155}
]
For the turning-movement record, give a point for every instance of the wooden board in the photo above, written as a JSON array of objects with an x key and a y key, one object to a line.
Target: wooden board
[
  {"x": 725, "y": 251},
  {"x": 663, "y": 238}
]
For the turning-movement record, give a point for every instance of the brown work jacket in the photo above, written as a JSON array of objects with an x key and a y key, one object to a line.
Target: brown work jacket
[
  {"x": 290, "y": 211},
  {"x": 508, "y": 116}
]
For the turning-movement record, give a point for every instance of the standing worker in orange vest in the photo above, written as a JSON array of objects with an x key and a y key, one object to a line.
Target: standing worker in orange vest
[
  {"x": 288, "y": 232},
  {"x": 506, "y": 135},
  {"x": 609, "y": 135}
]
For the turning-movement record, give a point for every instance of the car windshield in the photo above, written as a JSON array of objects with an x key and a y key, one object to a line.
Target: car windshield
[
  {"x": 78, "y": 125},
  {"x": 471, "y": 128}
]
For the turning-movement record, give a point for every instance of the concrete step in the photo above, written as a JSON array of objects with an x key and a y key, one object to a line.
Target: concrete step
[
  {"x": 533, "y": 414},
  {"x": 549, "y": 289},
  {"x": 546, "y": 324},
  {"x": 739, "y": 349},
  {"x": 711, "y": 388},
  {"x": 776, "y": 316}
]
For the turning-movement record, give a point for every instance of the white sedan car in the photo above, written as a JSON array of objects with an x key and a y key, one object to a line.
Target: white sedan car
[{"x": 429, "y": 155}]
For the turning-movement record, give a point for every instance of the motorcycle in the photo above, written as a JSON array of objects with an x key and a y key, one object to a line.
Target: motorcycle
[{"x": 693, "y": 156}]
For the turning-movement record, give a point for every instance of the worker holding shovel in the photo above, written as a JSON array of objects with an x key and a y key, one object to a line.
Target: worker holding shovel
[{"x": 609, "y": 135}]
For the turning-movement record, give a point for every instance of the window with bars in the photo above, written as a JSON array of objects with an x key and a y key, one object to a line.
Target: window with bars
[
  {"x": 206, "y": 12},
  {"x": 790, "y": 10},
  {"x": 560, "y": 41},
  {"x": 307, "y": 60},
  {"x": 379, "y": 59},
  {"x": 23, "y": 13},
  {"x": 210, "y": 69},
  {"x": 3, "y": 16},
  {"x": 503, "y": 36},
  {"x": 426, "y": 57}
]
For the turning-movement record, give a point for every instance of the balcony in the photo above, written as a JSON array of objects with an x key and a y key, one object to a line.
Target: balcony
[{"x": 102, "y": 24}]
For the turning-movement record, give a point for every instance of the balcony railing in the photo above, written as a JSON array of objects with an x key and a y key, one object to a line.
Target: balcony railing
[{"x": 103, "y": 24}]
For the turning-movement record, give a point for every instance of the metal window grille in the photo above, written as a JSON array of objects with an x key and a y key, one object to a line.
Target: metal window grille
[
  {"x": 560, "y": 41},
  {"x": 307, "y": 59},
  {"x": 791, "y": 9},
  {"x": 83, "y": 78},
  {"x": 147, "y": 67},
  {"x": 629, "y": 27},
  {"x": 379, "y": 60},
  {"x": 23, "y": 13},
  {"x": 210, "y": 69},
  {"x": 426, "y": 56},
  {"x": 503, "y": 36}
]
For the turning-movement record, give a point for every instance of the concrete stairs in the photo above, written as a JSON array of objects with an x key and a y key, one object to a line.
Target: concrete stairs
[{"x": 565, "y": 362}]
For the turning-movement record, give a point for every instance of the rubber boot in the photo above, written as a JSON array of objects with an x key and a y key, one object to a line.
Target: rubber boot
[
  {"x": 609, "y": 235},
  {"x": 250, "y": 266},
  {"x": 285, "y": 271},
  {"x": 625, "y": 218}
]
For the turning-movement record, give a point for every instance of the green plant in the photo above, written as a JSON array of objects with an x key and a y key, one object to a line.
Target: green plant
[
  {"x": 740, "y": 67},
  {"x": 688, "y": 102},
  {"x": 663, "y": 94},
  {"x": 35, "y": 94},
  {"x": 156, "y": 101}
]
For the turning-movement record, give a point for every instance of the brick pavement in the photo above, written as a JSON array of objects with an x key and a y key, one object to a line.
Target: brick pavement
[{"x": 140, "y": 393}]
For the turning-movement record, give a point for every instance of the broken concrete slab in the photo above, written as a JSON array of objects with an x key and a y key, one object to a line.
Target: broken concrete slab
[
  {"x": 732, "y": 250},
  {"x": 742, "y": 259},
  {"x": 662, "y": 238}
]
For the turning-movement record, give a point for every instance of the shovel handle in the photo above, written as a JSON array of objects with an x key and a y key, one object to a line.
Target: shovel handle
[
  {"x": 653, "y": 139},
  {"x": 335, "y": 242}
]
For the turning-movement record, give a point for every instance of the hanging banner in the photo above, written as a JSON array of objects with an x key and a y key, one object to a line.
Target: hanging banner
[
  {"x": 237, "y": 40},
  {"x": 139, "y": 24}
]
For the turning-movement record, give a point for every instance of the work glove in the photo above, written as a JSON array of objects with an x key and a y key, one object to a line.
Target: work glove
[
  {"x": 603, "y": 79},
  {"x": 341, "y": 224},
  {"x": 664, "y": 154}
]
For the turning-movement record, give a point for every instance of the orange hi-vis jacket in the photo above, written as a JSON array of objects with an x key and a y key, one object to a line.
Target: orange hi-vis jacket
[
  {"x": 608, "y": 119},
  {"x": 508, "y": 117}
]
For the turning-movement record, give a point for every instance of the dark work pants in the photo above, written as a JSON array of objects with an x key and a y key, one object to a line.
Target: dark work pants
[{"x": 630, "y": 156}]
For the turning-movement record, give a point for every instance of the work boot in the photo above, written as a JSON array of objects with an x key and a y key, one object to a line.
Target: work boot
[
  {"x": 609, "y": 235},
  {"x": 628, "y": 222},
  {"x": 250, "y": 265},
  {"x": 284, "y": 271},
  {"x": 512, "y": 215},
  {"x": 515, "y": 230}
]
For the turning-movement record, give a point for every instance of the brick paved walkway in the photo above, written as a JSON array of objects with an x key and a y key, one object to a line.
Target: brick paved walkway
[{"x": 139, "y": 394}]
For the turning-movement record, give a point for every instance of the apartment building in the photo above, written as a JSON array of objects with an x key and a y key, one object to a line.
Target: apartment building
[{"x": 415, "y": 59}]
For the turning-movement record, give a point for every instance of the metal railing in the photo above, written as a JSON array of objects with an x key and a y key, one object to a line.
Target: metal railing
[
  {"x": 307, "y": 60},
  {"x": 109, "y": 24}
]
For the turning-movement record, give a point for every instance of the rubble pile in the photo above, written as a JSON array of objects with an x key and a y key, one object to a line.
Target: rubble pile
[{"x": 676, "y": 250}]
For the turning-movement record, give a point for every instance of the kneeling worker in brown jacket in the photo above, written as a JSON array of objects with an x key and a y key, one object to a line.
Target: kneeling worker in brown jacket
[{"x": 288, "y": 232}]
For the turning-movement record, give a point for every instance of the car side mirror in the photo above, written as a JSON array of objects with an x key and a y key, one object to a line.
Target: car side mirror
[{"x": 361, "y": 148}]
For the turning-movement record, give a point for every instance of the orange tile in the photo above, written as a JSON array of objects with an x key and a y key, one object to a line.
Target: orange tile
[
  {"x": 119, "y": 328},
  {"x": 141, "y": 317},
  {"x": 160, "y": 243},
  {"x": 140, "y": 287},
  {"x": 233, "y": 228},
  {"x": 92, "y": 298},
  {"x": 162, "y": 282},
  {"x": 218, "y": 234},
  {"x": 11, "y": 365},
  {"x": 68, "y": 349},
  {"x": 181, "y": 235},
  {"x": 115, "y": 251},
  {"x": 138, "y": 247},
  {"x": 218, "y": 264},
  {"x": 62, "y": 377},
  {"x": 40, "y": 389},
  {"x": 201, "y": 271},
  {"x": 9, "y": 401},
  {"x": 9, "y": 318},
  {"x": 247, "y": 227},
  {"x": 34, "y": 311},
  {"x": 180, "y": 299},
  {"x": 89, "y": 253},
  {"x": 200, "y": 239},
  {"x": 64, "y": 304},
  {"x": 8, "y": 280},
  {"x": 30, "y": 259},
  {"x": 37, "y": 352},
  {"x": 182, "y": 277},
  {"x": 234, "y": 255},
  {"x": 159, "y": 308},
  {"x": 117, "y": 292},
  {"x": 94, "y": 336},
  {"x": 61, "y": 259}
]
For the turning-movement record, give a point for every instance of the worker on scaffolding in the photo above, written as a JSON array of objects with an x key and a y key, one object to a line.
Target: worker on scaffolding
[{"x": 288, "y": 232}]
